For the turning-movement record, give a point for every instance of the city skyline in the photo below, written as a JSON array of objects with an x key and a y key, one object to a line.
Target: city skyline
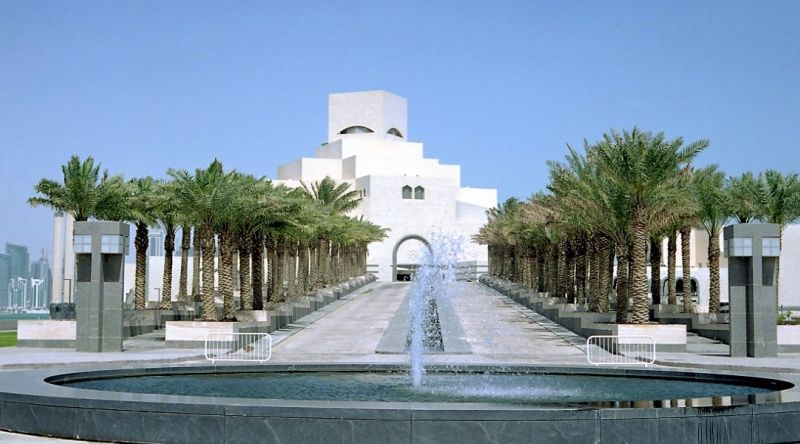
[{"x": 501, "y": 90}]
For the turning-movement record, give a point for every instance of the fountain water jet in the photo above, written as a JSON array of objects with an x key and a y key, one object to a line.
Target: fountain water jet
[{"x": 437, "y": 268}]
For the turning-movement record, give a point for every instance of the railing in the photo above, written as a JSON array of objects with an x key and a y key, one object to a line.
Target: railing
[
  {"x": 620, "y": 350},
  {"x": 238, "y": 347}
]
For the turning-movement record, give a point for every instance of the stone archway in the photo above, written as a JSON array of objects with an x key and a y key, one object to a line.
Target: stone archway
[{"x": 397, "y": 247}]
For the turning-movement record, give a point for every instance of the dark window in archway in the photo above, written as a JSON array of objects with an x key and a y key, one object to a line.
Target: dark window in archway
[
  {"x": 419, "y": 193},
  {"x": 356, "y": 130},
  {"x": 394, "y": 132},
  {"x": 406, "y": 192}
]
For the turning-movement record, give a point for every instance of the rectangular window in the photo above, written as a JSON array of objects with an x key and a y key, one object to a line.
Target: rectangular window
[
  {"x": 770, "y": 247},
  {"x": 111, "y": 244},
  {"x": 741, "y": 246},
  {"x": 82, "y": 243}
]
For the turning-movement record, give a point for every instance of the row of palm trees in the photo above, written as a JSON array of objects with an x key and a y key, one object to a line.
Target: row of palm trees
[
  {"x": 230, "y": 218},
  {"x": 615, "y": 202}
]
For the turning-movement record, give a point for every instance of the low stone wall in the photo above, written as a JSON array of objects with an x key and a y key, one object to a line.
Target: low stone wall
[
  {"x": 789, "y": 338},
  {"x": 182, "y": 334},
  {"x": 577, "y": 319},
  {"x": 46, "y": 333},
  {"x": 708, "y": 325}
]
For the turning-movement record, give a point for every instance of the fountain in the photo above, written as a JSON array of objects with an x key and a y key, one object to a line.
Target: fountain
[
  {"x": 367, "y": 403},
  {"x": 437, "y": 269}
]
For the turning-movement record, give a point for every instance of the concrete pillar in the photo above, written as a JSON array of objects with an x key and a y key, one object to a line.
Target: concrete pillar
[
  {"x": 57, "y": 294},
  {"x": 752, "y": 251},
  {"x": 101, "y": 248}
]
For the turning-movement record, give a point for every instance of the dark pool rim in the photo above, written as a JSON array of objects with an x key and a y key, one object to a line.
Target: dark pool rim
[{"x": 32, "y": 402}]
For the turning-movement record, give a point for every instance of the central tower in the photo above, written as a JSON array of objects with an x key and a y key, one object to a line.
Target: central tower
[{"x": 375, "y": 113}]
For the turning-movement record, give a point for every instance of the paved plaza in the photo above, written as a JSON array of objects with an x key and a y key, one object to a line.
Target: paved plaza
[{"x": 497, "y": 329}]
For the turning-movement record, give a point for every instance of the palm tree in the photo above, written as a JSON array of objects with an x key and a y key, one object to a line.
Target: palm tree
[
  {"x": 781, "y": 206},
  {"x": 201, "y": 195},
  {"x": 335, "y": 199},
  {"x": 745, "y": 197},
  {"x": 713, "y": 212},
  {"x": 644, "y": 173},
  {"x": 142, "y": 205},
  {"x": 168, "y": 214},
  {"x": 83, "y": 192}
]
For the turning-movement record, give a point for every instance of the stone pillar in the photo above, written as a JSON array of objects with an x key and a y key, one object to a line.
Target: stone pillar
[
  {"x": 100, "y": 249},
  {"x": 752, "y": 251},
  {"x": 57, "y": 294},
  {"x": 69, "y": 260}
]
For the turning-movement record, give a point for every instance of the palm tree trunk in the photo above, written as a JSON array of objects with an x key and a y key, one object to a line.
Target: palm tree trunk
[
  {"x": 594, "y": 276},
  {"x": 571, "y": 275},
  {"x": 655, "y": 269},
  {"x": 207, "y": 296},
  {"x": 197, "y": 291},
  {"x": 641, "y": 308},
  {"x": 319, "y": 279},
  {"x": 672, "y": 251},
  {"x": 273, "y": 265},
  {"x": 605, "y": 274},
  {"x": 272, "y": 270},
  {"x": 313, "y": 261},
  {"x": 226, "y": 250},
  {"x": 580, "y": 273},
  {"x": 622, "y": 282},
  {"x": 492, "y": 260},
  {"x": 186, "y": 240},
  {"x": 302, "y": 276},
  {"x": 687, "y": 270},
  {"x": 141, "y": 243},
  {"x": 561, "y": 277},
  {"x": 291, "y": 269},
  {"x": 540, "y": 273},
  {"x": 166, "y": 278},
  {"x": 258, "y": 272},
  {"x": 245, "y": 279},
  {"x": 713, "y": 265}
]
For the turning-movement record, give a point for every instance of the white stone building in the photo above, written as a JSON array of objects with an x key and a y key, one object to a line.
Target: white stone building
[{"x": 415, "y": 197}]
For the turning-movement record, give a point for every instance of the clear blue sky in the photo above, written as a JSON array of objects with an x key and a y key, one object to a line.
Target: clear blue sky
[{"x": 498, "y": 87}]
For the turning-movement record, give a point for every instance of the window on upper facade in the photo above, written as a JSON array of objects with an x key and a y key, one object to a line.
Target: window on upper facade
[
  {"x": 394, "y": 132},
  {"x": 356, "y": 130},
  {"x": 419, "y": 193},
  {"x": 406, "y": 192}
]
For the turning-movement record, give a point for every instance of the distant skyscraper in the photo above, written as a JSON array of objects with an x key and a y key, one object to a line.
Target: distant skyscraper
[
  {"x": 41, "y": 282},
  {"x": 20, "y": 260},
  {"x": 5, "y": 278},
  {"x": 19, "y": 275},
  {"x": 155, "y": 246}
]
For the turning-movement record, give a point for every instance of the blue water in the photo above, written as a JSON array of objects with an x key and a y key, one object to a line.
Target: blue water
[{"x": 437, "y": 387}]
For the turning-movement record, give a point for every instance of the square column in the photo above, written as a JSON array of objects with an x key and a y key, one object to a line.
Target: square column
[
  {"x": 752, "y": 251},
  {"x": 100, "y": 248}
]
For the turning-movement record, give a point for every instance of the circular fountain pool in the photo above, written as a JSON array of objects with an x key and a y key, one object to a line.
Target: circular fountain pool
[
  {"x": 374, "y": 403},
  {"x": 546, "y": 387}
]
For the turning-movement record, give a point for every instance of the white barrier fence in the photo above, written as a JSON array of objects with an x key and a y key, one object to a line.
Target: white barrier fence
[
  {"x": 621, "y": 350},
  {"x": 248, "y": 347}
]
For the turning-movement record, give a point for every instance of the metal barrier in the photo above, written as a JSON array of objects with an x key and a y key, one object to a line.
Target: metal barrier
[
  {"x": 238, "y": 347},
  {"x": 621, "y": 350}
]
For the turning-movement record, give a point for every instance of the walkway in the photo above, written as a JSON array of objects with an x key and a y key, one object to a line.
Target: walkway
[{"x": 497, "y": 330}]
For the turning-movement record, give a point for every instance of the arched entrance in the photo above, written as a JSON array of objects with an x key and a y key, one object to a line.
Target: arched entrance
[{"x": 397, "y": 247}]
